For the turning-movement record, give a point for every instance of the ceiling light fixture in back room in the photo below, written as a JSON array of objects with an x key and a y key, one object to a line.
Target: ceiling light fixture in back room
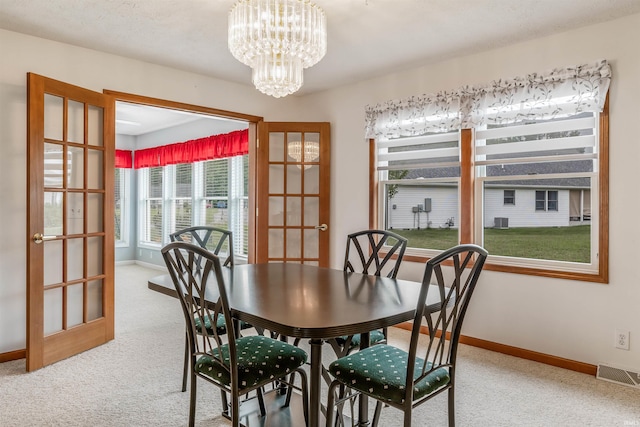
[{"x": 277, "y": 39}]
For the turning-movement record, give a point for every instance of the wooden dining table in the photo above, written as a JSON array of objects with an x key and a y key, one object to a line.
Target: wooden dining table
[{"x": 315, "y": 303}]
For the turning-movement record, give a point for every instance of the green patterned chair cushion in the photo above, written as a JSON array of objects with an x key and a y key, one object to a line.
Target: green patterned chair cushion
[
  {"x": 220, "y": 324},
  {"x": 374, "y": 338},
  {"x": 260, "y": 360},
  {"x": 381, "y": 371}
]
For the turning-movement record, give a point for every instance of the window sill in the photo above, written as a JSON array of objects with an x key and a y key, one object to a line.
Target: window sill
[{"x": 586, "y": 274}]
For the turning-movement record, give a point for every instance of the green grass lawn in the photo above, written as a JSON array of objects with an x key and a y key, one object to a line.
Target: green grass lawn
[{"x": 553, "y": 243}]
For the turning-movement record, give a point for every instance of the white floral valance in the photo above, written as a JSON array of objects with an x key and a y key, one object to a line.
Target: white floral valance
[{"x": 539, "y": 96}]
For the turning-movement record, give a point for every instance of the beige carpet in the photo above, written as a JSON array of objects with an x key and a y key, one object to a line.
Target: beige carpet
[{"x": 135, "y": 381}]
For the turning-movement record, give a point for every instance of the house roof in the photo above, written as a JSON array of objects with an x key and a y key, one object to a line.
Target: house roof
[{"x": 531, "y": 170}]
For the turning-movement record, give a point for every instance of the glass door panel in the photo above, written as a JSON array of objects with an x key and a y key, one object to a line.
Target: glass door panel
[
  {"x": 95, "y": 129},
  {"x": 94, "y": 256},
  {"x": 75, "y": 166},
  {"x": 276, "y": 241},
  {"x": 53, "y": 213},
  {"x": 75, "y": 121},
  {"x": 94, "y": 300},
  {"x": 94, "y": 164},
  {"x": 296, "y": 200},
  {"x": 312, "y": 179},
  {"x": 312, "y": 210},
  {"x": 276, "y": 211},
  {"x": 294, "y": 247},
  {"x": 276, "y": 146},
  {"x": 53, "y": 311},
  {"x": 75, "y": 295},
  {"x": 75, "y": 259},
  {"x": 276, "y": 179},
  {"x": 53, "y": 113},
  {"x": 52, "y": 262},
  {"x": 75, "y": 209},
  {"x": 95, "y": 207},
  {"x": 294, "y": 211},
  {"x": 53, "y": 165}
]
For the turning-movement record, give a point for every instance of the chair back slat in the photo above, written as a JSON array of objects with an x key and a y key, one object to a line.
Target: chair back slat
[
  {"x": 193, "y": 268},
  {"x": 375, "y": 252},
  {"x": 453, "y": 274},
  {"x": 216, "y": 240}
]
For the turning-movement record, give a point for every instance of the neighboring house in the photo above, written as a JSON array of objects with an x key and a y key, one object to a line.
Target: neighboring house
[
  {"x": 506, "y": 206},
  {"x": 532, "y": 202},
  {"x": 406, "y": 208}
]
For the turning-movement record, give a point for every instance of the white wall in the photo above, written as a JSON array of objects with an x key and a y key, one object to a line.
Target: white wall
[
  {"x": 570, "y": 319},
  {"x": 96, "y": 71}
]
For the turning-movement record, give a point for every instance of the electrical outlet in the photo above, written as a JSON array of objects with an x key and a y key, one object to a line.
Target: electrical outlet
[{"x": 622, "y": 339}]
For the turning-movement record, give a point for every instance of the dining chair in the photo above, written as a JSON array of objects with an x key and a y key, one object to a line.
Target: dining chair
[
  {"x": 218, "y": 241},
  {"x": 241, "y": 365},
  {"x": 402, "y": 379},
  {"x": 375, "y": 252}
]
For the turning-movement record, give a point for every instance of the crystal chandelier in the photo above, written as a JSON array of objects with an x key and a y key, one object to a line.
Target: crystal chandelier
[
  {"x": 310, "y": 152},
  {"x": 277, "y": 39}
]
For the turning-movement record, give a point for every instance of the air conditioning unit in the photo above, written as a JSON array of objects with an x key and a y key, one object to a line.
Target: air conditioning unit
[{"x": 500, "y": 222}]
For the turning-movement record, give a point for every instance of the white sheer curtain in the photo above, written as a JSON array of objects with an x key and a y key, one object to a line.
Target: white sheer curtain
[{"x": 557, "y": 93}]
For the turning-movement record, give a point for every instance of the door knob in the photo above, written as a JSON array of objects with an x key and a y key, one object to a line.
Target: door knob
[
  {"x": 39, "y": 238},
  {"x": 322, "y": 227}
]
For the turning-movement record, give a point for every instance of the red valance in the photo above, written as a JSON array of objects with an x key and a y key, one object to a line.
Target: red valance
[
  {"x": 124, "y": 159},
  {"x": 211, "y": 147}
]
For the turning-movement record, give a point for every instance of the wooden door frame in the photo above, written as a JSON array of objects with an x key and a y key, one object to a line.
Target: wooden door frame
[{"x": 192, "y": 108}]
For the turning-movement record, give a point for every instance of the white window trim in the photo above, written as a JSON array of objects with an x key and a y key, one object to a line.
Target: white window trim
[{"x": 234, "y": 198}]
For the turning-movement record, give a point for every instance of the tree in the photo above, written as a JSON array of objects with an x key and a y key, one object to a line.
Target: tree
[{"x": 392, "y": 189}]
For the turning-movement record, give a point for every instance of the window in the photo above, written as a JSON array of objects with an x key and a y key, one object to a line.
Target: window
[
  {"x": 536, "y": 155},
  {"x": 419, "y": 178},
  {"x": 448, "y": 167},
  {"x": 213, "y": 192},
  {"x": 541, "y": 200},
  {"x": 552, "y": 200},
  {"x": 122, "y": 192},
  {"x": 181, "y": 200},
  {"x": 215, "y": 195},
  {"x": 151, "y": 208},
  {"x": 546, "y": 200},
  {"x": 509, "y": 197}
]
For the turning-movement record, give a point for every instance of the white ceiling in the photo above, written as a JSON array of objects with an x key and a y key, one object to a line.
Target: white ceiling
[
  {"x": 367, "y": 38},
  {"x": 136, "y": 119}
]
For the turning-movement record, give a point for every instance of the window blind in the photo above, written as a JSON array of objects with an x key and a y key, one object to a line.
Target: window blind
[{"x": 429, "y": 151}]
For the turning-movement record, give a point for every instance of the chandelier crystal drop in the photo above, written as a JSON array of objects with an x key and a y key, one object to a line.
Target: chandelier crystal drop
[
  {"x": 277, "y": 39},
  {"x": 277, "y": 75}
]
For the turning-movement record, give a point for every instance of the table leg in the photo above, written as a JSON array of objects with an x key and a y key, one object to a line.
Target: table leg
[
  {"x": 314, "y": 383},
  {"x": 363, "y": 407}
]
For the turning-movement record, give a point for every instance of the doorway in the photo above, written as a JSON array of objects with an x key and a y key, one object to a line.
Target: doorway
[{"x": 151, "y": 202}]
